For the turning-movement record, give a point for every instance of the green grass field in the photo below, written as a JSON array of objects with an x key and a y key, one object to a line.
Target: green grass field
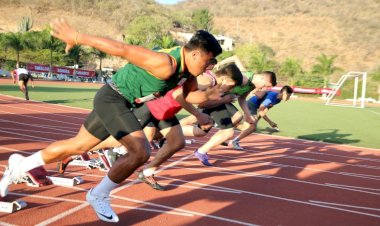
[{"x": 304, "y": 119}]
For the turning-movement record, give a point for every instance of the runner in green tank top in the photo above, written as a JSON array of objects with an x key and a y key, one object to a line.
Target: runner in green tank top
[{"x": 147, "y": 72}]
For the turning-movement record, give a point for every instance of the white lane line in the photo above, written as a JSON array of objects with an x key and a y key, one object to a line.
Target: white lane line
[
  {"x": 345, "y": 205},
  {"x": 62, "y": 215},
  {"x": 40, "y": 118},
  {"x": 352, "y": 189},
  {"x": 280, "y": 155},
  {"x": 85, "y": 204},
  {"x": 224, "y": 189},
  {"x": 220, "y": 171},
  {"x": 57, "y": 128},
  {"x": 325, "y": 154},
  {"x": 24, "y": 139},
  {"x": 24, "y": 135},
  {"x": 233, "y": 159},
  {"x": 350, "y": 186},
  {"x": 54, "y": 113},
  {"x": 15, "y": 150},
  {"x": 36, "y": 131},
  {"x": 158, "y": 171},
  {"x": 187, "y": 211},
  {"x": 113, "y": 192}
]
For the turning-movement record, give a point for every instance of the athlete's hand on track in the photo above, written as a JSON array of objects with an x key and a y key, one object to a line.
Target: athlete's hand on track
[{"x": 64, "y": 32}]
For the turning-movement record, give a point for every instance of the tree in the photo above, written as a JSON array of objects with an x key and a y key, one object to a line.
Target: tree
[
  {"x": 16, "y": 42},
  {"x": 46, "y": 41},
  {"x": 100, "y": 55},
  {"x": 260, "y": 62},
  {"x": 325, "y": 67},
  {"x": 146, "y": 31},
  {"x": 202, "y": 19},
  {"x": 76, "y": 54},
  {"x": 291, "y": 68}
]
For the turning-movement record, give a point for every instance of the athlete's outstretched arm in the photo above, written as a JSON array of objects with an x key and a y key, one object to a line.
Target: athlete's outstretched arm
[{"x": 160, "y": 65}]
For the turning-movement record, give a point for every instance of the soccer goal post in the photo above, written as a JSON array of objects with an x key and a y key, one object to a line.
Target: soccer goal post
[{"x": 356, "y": 103}]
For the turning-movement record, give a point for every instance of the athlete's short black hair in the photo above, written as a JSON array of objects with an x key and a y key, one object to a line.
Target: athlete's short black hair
[
  {"x": 272, "y": 75},
  {"x": 205, "y": 41},
  {"x": 232, "y": 71},
  {"x": 288, "y": 89}
]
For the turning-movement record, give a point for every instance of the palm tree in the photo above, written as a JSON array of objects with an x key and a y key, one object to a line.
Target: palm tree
[
  {"x": 16, "y": 42},
  {"x": 101, "y": 55},
  {"x": 260, "y": 62},
  {"x": 291, "y": 68},
  {"x": 325, "y": 67},
  {"x": 75, "y": 54},
  {"x": 46, "y": 41}
]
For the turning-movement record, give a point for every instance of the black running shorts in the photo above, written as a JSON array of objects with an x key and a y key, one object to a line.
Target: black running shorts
[
  {"x": 222, "y": 115},
  {"x": 114, "y": 115},
  {"x": 23, "y": 77}
]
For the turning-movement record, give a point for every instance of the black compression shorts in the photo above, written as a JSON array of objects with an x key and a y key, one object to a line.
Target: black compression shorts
[
  {"x": 114, "y": 115},
  {"x": 222, "y": 115}
]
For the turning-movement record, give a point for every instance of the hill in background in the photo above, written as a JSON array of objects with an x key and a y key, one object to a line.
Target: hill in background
[{"x": 300, "y": 29}]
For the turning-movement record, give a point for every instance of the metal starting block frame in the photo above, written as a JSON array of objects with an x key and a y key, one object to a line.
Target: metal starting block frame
[
  {"x": 66, "y": 182},
  {"x": 11, "y": 207}
]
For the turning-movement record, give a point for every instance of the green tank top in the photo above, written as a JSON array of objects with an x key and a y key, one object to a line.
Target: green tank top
[
  {"x": 134, "y": 82},
  {"x": 243, "y": 89}
]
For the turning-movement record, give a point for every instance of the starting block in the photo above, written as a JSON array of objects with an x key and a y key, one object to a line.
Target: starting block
[
  {"x": 11, "y": 207},
  {"x": 103, "y": 161},
  {"x": 67, "y": 182},
  {"x": 38, "y": 177}
]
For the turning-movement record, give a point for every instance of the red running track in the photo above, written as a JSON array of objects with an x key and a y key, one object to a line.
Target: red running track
[{"x": 275, "y": 181}]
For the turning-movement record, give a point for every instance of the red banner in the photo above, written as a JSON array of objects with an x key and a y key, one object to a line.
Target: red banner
[
  {"x": 60, "y": 70},
  {"x": 63, "y": 71},
  {"x": 38, "y": 68},
  {"x": 84, "y": 73}
]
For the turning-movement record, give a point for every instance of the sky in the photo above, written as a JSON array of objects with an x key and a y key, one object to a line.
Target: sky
[{"x": 168, "y": 1}]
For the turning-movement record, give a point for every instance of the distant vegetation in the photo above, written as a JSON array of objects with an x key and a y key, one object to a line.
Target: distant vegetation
[{"x": 146, "y": 23}]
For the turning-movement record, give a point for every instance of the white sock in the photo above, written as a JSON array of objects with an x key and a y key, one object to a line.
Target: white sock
[
  {"x": 202, "y": 151},
  {"x": 149, "y": 172},
  {"x": 235, "y": 139},
  {"x": 31, "y": 162},
  {"x": 104, "y": 187}
]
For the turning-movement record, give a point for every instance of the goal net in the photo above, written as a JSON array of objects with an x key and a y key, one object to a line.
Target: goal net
[{"x": 359, "y": 86}]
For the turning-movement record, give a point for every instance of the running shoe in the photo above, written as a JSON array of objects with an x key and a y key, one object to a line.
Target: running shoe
[
  {"x": 101, "y": 204},
  {"x": 203, "y": 158},
  {"x": 9, "y": 175}
]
